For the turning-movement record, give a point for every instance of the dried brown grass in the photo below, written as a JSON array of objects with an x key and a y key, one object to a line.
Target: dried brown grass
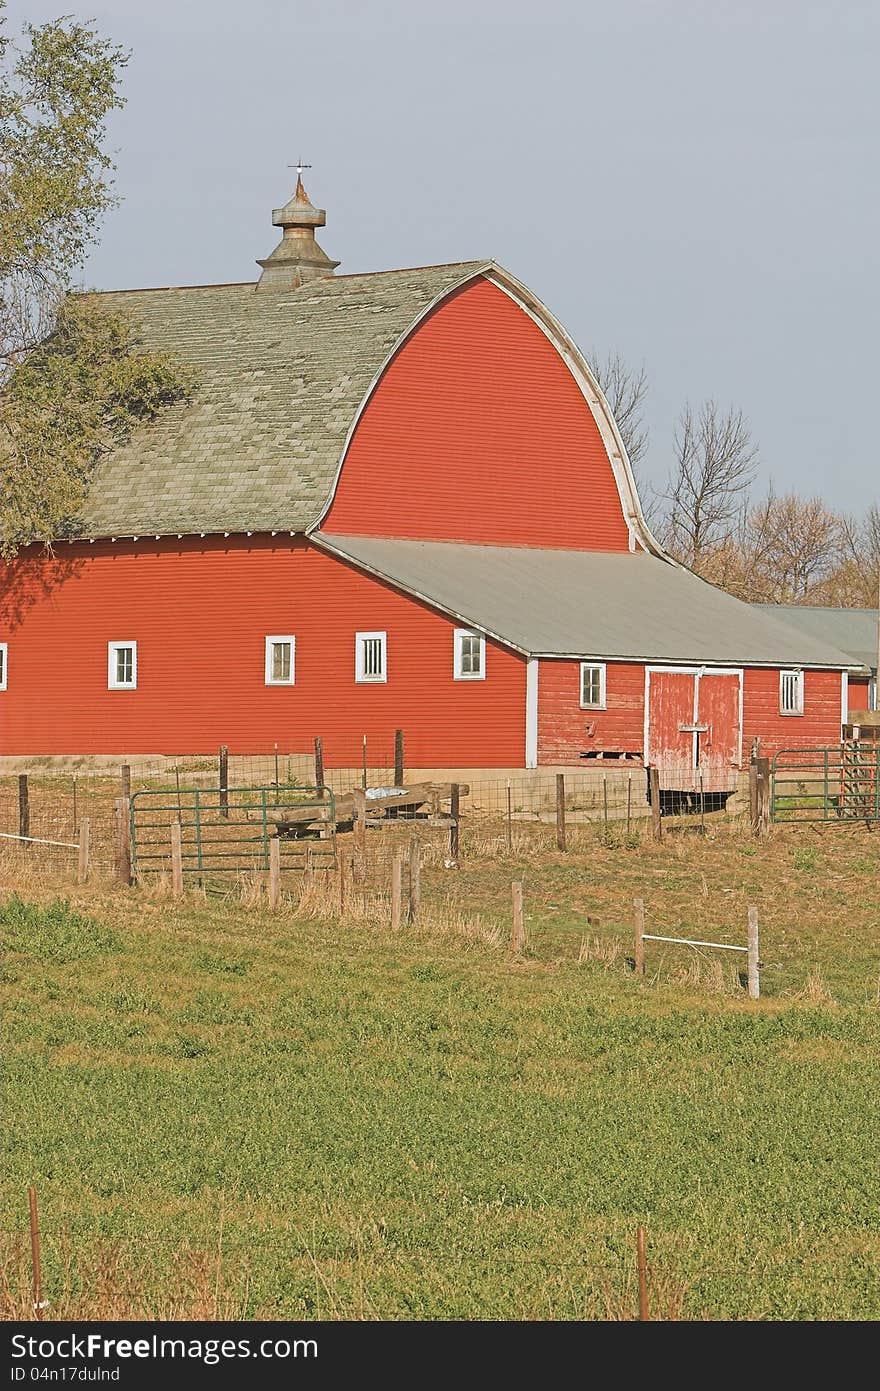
[{"x": 104, "y": 1282}]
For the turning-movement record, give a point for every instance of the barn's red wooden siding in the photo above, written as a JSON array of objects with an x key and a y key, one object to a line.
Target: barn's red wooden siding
[
  {"x": 563, "y": 726},
  {"x": 200, "y": 611},
  {"x": 859, "y": 692},
  {"x": 478, "y": 432},
  {"x": 819, "y": 724}
]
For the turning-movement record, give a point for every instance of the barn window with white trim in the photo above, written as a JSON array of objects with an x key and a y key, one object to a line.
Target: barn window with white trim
[
  {"x": 592, "y": 685},
  {"x": 280, "y": 659},
  {"x": 370, "y": 657},
  {"x": 791, "y": 693},
  {"x": 122, "y": 666},
  {"x": 470, "y": 656}
]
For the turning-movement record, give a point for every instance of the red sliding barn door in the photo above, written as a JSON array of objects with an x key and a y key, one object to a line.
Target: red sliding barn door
[
  {"x": 670, "y": 715},
  {"x": 718, "y": 709},
  {"x": 694, "y": 727}
]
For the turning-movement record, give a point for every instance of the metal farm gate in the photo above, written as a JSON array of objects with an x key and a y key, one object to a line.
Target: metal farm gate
[
  {"x": 228, "y": 830},
  {"x": 837, "y": 783}
]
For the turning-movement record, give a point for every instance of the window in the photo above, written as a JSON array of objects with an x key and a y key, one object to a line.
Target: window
[
  {"x": 470, "y": 656},
  {"x": 4, "y": 657},
  {"x": 592, "y": 685},
  {"x": 369, "y": 657},
  {"x": 791, "y": 693},
  {"x": 280, "y": 660},
  {"x": 122, "y": 666}
]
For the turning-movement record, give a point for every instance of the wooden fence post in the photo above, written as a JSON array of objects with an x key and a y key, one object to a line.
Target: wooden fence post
[
  {"x": 518, "y": 935},
  {"x": 123, "y": 840},
  {"x": 24, "y": 806},
  {"x": 656, "y": 817},
  {"x": 396, "y": 891},
  {"x": 639, "y": 904},
  {"x": 224, "y": 780},
  {"x": 560, "y": 811},
  {"x": 398, "y": 758},
  {"x": 319, "y": 763},
  {"x": 415, "y": 880},
  {"x": 82, "y": 867},
  {"x": 125, "y": 778},
  {"x": 340, "y": 863},
  {"x": 642, "y": 1264},
  {"x": 754, "y": 964},
  {"x": 274, "y": 874},
  {"x": 36, "y": 1279},
  {"x": 453, "y": 825},
  {"x": 176, "y": 860},
  {"x": 360, "y": 834}
]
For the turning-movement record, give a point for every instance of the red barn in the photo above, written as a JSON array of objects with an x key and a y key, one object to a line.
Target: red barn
[{"x": 395, "y": 500}]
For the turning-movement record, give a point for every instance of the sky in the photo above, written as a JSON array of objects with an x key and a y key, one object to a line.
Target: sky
[{"x": 691, "y": 183}]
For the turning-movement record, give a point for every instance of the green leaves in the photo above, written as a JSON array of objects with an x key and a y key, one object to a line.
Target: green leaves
[
  {"x": 74, "y": 382},
  {"x": 55, "y": 933},
  {"x": 73, "y": 398},
  {"x": 56, "y": 94}
]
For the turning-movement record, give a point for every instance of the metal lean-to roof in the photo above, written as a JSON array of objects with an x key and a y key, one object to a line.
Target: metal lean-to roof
[
  {"x": 853, "y": 630},
  {"x": 587, "y": 603},
  {"x": 280, "y": 379}
]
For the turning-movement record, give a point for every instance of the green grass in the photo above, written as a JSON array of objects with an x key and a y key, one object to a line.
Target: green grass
[{"x": 230, "y": 1113}]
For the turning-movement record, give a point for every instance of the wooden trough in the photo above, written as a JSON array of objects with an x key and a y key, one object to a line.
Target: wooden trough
[{"x": 420, "y": 802}]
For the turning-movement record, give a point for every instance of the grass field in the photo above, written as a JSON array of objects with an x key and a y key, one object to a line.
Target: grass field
[{"x": 228, "y": 1113}]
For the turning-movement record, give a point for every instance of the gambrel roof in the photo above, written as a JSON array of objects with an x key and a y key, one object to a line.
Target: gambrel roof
[{"x": 281, "y": 378}]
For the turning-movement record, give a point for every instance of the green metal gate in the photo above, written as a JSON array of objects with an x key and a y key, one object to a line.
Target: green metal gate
[
  {"x": 228, "y": 830},
  {"x": 837, "y": 783}
]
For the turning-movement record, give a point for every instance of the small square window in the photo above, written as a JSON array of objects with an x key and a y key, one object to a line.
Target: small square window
[
  {"x": 592, "y": 685},
  {"x": 280, "y": 660},
  {"x": 791, "y": 693},
  {"x": 470, "y": 656},
  {"x": 122, "y": 666},
  {"x": 4, "y": 659},
  {"x": 370, "y": 657}
]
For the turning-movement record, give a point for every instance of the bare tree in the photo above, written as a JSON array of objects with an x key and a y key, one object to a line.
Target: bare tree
[
  {"x": 715, "y": 463},
  {"x": 858, "y": 577},
  {"x": 792, "y": 550},
  {"x": 625, "y": 391}
]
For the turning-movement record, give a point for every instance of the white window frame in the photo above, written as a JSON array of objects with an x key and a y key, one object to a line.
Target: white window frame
[
  {"x": 457, "y": 672},
  {"x": 602, "y": 669},
  {"x": 4, "y": 665},
  {"x": 799, "y": 677},
  {"x": 271, "y": 640},
  {"x": 112, "y": 649},
  {"x": 359, "y": 674}
]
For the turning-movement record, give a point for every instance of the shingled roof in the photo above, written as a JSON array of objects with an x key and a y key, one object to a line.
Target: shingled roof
[{"x": 280, "y": 379}]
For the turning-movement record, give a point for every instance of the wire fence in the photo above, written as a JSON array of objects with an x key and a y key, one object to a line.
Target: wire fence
[
  {"x": 43, "y": 807},
  {"x": 50, "y": 1271}
]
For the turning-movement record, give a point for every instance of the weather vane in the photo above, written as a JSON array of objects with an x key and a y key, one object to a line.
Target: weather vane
[{"x": 299, "y": 167}]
